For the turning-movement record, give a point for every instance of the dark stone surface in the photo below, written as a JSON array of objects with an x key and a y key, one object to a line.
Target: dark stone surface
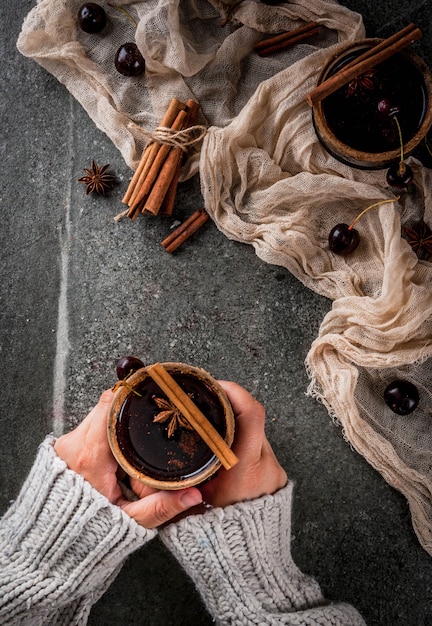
[{"x": 215, "y": 305}]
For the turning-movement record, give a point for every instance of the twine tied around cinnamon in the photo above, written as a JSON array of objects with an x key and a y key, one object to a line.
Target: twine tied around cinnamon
[{"x": 182, "y": 139}]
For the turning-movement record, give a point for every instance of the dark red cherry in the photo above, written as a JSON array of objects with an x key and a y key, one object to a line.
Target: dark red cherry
[
  {"x": 399, "y": 177},
  {"x": 129, "y": 60},
  {"x": 343, "y": 240},
  {"x": 127, "y": 365},
  {"x": 401, "y": 396},
  {"x": 92, "y": 17},
  {"x": 387, "y": 107}
]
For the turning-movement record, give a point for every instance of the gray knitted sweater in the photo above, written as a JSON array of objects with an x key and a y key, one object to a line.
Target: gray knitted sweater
[{"x": 62, "y": 544}]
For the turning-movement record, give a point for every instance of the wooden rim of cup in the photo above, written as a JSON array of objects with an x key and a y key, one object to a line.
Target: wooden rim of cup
[{"x": 123, "y": 392}]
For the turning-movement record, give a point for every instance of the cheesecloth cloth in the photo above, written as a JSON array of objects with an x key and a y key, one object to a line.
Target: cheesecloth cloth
[{"x": 268, "y": 182}]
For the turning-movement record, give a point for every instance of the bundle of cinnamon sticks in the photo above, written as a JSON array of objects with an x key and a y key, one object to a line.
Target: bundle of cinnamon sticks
[
  {"x": 369, "y": 59},
  {"x": 154, "y": 183},
  {"x": 281, "y": 42}
]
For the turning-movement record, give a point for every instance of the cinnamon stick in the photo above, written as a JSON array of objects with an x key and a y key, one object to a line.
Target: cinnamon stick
[
  {"x": 376, "y": 55},
  {"x": 285, "y": 40},
  {"x": 185, "y": 230},
  {"x": 169, "y": 199},
  {"x": 161, "y": 184},
  {"x": 283, "y": 45},
  {"x": 384, "y": 44},
  {"x": 194, "y": 416}
]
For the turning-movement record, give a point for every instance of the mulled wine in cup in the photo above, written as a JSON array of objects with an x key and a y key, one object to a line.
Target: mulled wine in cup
[{"x": 151, "y": 439}]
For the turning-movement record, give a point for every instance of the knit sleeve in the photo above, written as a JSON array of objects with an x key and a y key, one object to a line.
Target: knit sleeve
[
  {"x": 61, "y": 545},
  {"x": 240, "y": 560}
]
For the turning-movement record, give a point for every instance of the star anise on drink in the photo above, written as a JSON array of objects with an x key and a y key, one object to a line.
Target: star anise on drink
[
  {"x": 171, "y": 415},
  {"x": 98, "y": 179},
  {"x": 419, "y": 237},
  {"x": 361, "y": 82}
]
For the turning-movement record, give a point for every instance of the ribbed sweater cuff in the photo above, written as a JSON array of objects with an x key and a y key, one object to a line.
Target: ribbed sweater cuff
[
  {"x": 61, "y": 542},
  {"x": 240, "y": 560}
]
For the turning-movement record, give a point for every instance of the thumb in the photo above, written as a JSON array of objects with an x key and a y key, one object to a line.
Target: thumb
[{"x": 161, "y": 507}]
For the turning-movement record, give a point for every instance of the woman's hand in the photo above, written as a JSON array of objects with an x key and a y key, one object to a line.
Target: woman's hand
[
  {"x": 86, "y": 451},
  {"x": 258, "y": 472}
]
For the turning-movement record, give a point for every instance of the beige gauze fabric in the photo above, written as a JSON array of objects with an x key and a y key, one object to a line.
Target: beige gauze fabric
[{"x": 268, "y": 182}]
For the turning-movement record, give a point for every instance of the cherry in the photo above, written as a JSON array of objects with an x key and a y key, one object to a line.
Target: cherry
[
  {"x": 92, "y": 17},
  {"x": 343, "y": 239},
  {"x": 386, "y": 107},
  {"x": 127, "y": 365},
  {"x": 400, "y": 175},
  {"x": 129, "y": 60},
  {"x": 401, "y": 396}
]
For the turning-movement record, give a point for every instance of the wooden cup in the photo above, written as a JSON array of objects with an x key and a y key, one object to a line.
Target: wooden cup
[
  {"x": 364, "y": 158},
  {"x": 142, "y": 446}
]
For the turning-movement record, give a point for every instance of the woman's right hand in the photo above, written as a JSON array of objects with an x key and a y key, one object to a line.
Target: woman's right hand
[{"x": 258, "y": 472}]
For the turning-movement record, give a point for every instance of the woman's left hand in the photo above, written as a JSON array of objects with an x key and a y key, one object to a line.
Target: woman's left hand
[{"x": 87, "y": 452}]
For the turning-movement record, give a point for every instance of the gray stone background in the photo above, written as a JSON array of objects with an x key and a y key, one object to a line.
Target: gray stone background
[{"x": 79, "y": 290}]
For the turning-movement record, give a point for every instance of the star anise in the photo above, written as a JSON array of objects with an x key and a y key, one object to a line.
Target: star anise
[
  {"x": 98, "y": 179},
  {"x": 419, "y": 237},
  {"x": 361, "y": 82},
  {"x": 170, "y": 414}
]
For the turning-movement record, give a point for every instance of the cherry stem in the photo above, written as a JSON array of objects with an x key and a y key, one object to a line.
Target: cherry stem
[
  {"x": 123, "y": 383},
  {"x": 354, "y": 222},
  {"x": 122, "y": 10},
  {"x": 402, "y": 168}
]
